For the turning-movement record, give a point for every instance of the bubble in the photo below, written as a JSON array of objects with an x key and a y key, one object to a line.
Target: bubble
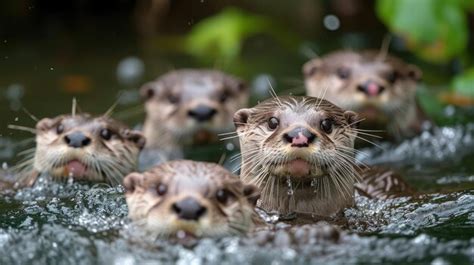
[
  {"x": 230, "y": 147},
  {"x": 130, "y": 70},
  {"x": 331, "y": 22}
]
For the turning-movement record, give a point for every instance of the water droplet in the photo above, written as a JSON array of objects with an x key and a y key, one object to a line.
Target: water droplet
[
  {"x": 5, "y": 165},
  {"x": 180, "y": 234},
  {"x": 314, "y": 185},
  {"x": 331, "y": 22},
  {"x": 230, "y": 147},
  {"x": 289, "y": 186}
]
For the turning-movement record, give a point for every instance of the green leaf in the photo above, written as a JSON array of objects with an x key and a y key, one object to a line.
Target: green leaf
[
  {"x": 436, "y": 30},
  {"x": 222, "y": 35},
  {"x": 464, "y": 83}
]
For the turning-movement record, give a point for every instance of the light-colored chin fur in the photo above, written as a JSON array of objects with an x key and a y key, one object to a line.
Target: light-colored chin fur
[{"x": 316, "y": 195}]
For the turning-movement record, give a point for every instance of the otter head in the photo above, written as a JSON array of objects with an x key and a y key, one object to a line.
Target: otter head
[
  {"x": 86, "y": 148},
  {"x": 191, "y": 106},
  {"x": 299, "y": 151},
  {"x": 381, "y": 89},
  {"x": 196, "y": 198}
]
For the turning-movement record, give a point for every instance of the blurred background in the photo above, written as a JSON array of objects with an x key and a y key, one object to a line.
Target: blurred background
[{"x": 96, "y": 51}]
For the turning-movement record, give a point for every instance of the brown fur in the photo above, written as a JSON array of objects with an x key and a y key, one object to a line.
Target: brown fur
[
  {"x": 170, "y": 98},
  {"x": 106, "y": 160},
  {"x": 337, "y": 76},
  {"x": 189, "y": 179},
  {"x": 328, "y": 187}
]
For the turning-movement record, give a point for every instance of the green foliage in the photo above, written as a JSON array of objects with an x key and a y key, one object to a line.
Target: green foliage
[
  {"x": 436, "y": 30},
  {"x": 464, "y": 84},
  {"x": 221, "y": 36}
]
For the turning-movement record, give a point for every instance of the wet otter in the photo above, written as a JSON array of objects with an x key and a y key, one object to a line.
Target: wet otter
[
  {"x": 198, "y": 198},
  {"x": 382, "y": 89},
  {"x": 299, "y": 152},
  {"x": 190, "y": 107},
  {"x": 83, "y": 147}
]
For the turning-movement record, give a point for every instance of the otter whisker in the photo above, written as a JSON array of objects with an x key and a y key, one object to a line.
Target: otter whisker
[{"x": 22, "y": 128}]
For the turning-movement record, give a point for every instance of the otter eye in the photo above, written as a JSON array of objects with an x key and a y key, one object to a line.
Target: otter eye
[
  {"x": 326, "y": 125},
  {"x": 161, "y": 189},
  {"x": 223, "y": 97},
  {"x": 223, "y": 195},
  {"x": 106, "y": 134},
  {"x": 60, "y": 129},
  {"x": 173, "y": 99},
  {"x": 343, "y": 73},
  {"x": 273, "y": 123},
  {"x": 392, "y": 77}
]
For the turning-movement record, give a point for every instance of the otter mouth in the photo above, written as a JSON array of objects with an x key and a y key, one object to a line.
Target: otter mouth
[
  {"x": 204, "y": 136},
  {"x": 298, "y": 167},
  {"x": 75, "y": 168}
]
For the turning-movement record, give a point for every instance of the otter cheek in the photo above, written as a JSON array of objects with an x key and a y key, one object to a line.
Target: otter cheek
[{"x": 298, "y": 168}]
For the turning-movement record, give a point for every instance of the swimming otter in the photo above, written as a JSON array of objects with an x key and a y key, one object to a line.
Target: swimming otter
[
  {"x": 197, "y": 198},
  {"x": 83, "y": 147},
  {"x": 382, "y": 89},
  {"x": 190, "y": 107},
  {"x": 299, "y": 152}
]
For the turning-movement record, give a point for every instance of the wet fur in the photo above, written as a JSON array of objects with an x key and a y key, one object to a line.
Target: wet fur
[
  {"x": 329, "y": 187},
  {"x": 106, "y": 160},
  {"x": 199, "y": 180},
  {"x": 398, "y": 111},
  {"x": 170, "y": 97}
]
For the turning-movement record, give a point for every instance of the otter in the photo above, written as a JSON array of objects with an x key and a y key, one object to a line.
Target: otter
[
  {"x": 190, "y": 106},
  {"x": 200, "y": 199},
  {"x": 82, "y": 147},
  {"x": 381, "y": 88},
  {"x": 300, "y": 152}
]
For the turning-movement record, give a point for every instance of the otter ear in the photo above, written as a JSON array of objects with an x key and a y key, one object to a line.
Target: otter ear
[
  {"x": 252, "y": 193},
  {"x": 414, "y": 72},
  {"x": 241, "y": 117},
  {"x": 44, "y": 124},
  {"x": 352, "y": 119},
  {"x": 132, "y": 181},
  {"x": 136, "y": 137},
  {"x": 236, "y": 85},
  {"x": 148, "y": 90},
  {"x": 311, "y": 67}
]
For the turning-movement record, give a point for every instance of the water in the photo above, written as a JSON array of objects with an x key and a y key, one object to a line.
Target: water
[{"x": 74, "y": 223}]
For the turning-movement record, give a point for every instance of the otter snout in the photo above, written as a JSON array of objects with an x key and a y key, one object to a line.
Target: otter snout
[
  {"x": 371, "y": 88},
  {"x": 188, "y": 209},
  {"x": 299, "y": 137},
  {"x": 202, "y": 113},
  {"x": 77, "y": 139}
]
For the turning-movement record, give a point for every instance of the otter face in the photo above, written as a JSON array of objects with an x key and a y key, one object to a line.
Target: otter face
[
  {"x": 305, "y": 142},
  {"x": 300, "y": 137},
  {"x": 197, "y": 198},
  {"x": 377, "y": 88},
  {"x": 192, "y": 104},
  {"x": 86, "y": 148}
]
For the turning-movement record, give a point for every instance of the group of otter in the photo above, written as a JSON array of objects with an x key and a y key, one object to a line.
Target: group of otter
[{"x": 297, "y": 152}]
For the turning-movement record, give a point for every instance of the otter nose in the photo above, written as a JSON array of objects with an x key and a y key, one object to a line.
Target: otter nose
[
  {"x": 371, "y": 88},
  {"x": 202, "y": 113},
  {"x": 77, "y": 140},
  {"x": 299, "y": 137},
  {"x": 188, "y": 209}
]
